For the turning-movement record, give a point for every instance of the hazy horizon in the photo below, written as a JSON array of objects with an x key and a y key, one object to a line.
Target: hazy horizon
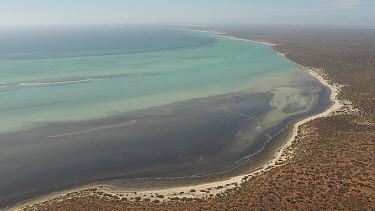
[{"x": 354, "y": 13}]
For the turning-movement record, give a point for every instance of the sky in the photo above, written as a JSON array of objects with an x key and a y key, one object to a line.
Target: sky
[{"x": 199, "y": 12}]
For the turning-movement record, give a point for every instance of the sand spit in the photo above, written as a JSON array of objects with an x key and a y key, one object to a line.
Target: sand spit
[
  {"x": 254, "y": 41},
  {"x": 223, "y": 34},
  {"x": 207, "y": 190}
]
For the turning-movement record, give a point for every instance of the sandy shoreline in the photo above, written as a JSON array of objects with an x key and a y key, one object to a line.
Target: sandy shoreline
[{"x": 210, "y": 189}]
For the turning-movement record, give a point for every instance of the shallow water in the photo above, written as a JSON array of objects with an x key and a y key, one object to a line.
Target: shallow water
[
  {"x": 51, "y": 86},
  {"x": 86, "y": 105}
]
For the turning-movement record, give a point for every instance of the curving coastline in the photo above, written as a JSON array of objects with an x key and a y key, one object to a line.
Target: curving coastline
[{"x": 280, "y": 155}]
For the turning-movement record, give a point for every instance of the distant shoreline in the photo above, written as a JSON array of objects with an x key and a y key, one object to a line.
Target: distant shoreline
[{"x": 281, "y": 155}]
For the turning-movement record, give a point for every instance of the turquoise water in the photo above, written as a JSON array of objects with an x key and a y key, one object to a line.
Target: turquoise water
[
  {"x": 96, "y": 104},
  {"x": 65, "y": 82}
]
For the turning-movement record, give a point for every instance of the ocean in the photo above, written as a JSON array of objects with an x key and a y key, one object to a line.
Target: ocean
[{"x": 89, "y": 104}]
